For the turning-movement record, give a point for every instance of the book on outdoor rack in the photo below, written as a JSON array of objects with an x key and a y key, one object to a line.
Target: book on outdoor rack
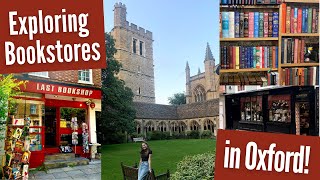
[
  {"x": 249, "y": 78},
  {"x": 249, "y": 2},
  {"x": 244, "y": 57},
  {"x": 300, "y": 76},
  {"x": 296, "y": 50},
  {"x": 249, "y": 24},
  {"x": 303, "y": 19}
]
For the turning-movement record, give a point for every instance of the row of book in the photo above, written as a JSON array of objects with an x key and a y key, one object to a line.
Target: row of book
[
  {"x": 248, "y": 2},
  {"x": 263, "y": 79},
  {"x": 300, "y": 76},
  {"x": 249, "y": 24},
  {"x": 300, "y": 19},
  {"x": 238, "y": 57},
  {"x": 295, "y": 50}
]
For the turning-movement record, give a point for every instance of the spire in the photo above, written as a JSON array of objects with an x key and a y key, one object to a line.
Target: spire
[
  {"x": 208, "y": 54},
  {"x": 199, "y": 72},
  {"x": 187, "y": 66}
]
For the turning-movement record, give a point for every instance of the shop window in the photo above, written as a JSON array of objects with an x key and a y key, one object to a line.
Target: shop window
[
  {"x": 44, "y": 74},
  {"x": 85, "y": 76},
  {"x": 251, "y": 108},
  {"x": 279, "y": 108},
  {"x": 33, "y": 109},
  {"x": 303, "y": 112}
]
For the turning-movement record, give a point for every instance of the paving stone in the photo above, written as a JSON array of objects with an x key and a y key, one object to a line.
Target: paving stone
[
  {"x": 60, "y": 175},
  {"x": 50, "y": 171},
  {"x": 75, "y": 173},
  {"x": 88, "y": 171},
  {"x": 68, "y": 168},
  {"x": 45, "y": 177},
  {"x": 81, "y": 167}
]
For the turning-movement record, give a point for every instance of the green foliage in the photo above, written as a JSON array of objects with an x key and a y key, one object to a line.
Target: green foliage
[
  {"x": 206, "y": 134},
  {"x": 177, "y": 99},
  {"x": 158, "y": 135},
  {"x": 177, "y": 135},
  {"x": 118, "y": 113},
  {"x": 9, "y": 87},
  {"x": 193, "y": 134},
  {"x": 199, "y": 166}
]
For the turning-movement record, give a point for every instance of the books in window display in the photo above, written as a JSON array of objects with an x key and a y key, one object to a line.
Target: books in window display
[
  {"x": 300, "y": 19},
  {"x": 244, "y": 57},
  {"x": 248, "y": 2},
  {"x": 249, "y": 24},
  {"x": 295, "y": 50},
  {"x": 301, "y": 76}
]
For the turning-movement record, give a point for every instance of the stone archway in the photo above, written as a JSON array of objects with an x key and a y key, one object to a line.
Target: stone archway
[
  {"x": 138, "y": 127},
  {"x": 149, "y": 126},
  {"x": 162, "y": 126},
  {"x": 208, "y": 125},
  {"x": 194, "y": 125}
]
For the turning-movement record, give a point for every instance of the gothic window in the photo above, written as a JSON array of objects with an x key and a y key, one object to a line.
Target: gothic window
[
  {"x": 194, "y": 126},
  {"x": 138, "y": 128},
  {"x": 162, "y": 127},
  {"x": 208, "y": 125},
  {"x": 134, "y": 45},
  {"x": 149, "y": 127},
  {"x": 199, "y": 94},
  {"x": 141, "y": 48}
]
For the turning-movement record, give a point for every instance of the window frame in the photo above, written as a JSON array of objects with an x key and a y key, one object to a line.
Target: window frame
[{"x": 90, "y": 77}]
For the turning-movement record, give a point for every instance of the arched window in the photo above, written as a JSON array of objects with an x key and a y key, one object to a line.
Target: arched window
[
  {"x": 199, "y": 94},
  {"x": 162, "y": 127},
  {"x": 138, "y": 127},
  {"x": 194, "y": 126},
  {"x": 182, "y": 126},
  {"x": 149, "y": 126},
  {"x": 174, "y": 127},
  {"x": 208, "y": 125}
]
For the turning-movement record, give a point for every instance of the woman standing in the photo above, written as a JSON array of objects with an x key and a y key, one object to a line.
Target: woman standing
[{"x": 145, "y": 161}]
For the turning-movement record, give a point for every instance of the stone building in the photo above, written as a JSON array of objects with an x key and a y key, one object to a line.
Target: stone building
[
  {"x": 203, "y": 86},
  {"x": 135, "y": 53}
]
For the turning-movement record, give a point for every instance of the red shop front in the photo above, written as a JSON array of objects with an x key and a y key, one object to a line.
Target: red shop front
[{"x": 54, "y": 110}]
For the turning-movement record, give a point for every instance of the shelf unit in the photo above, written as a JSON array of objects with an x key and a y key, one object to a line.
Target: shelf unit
[{"x": 268, "y": 40}]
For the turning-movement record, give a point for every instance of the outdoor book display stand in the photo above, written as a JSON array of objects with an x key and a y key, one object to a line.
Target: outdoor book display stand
[{"x": 17, "y": 144}]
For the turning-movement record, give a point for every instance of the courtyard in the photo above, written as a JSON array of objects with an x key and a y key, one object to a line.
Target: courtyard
[{"x": 166, "y": 154}]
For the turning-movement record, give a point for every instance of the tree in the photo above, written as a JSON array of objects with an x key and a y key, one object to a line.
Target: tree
[
  {"x": 118, "y": 112},
  {"x": 9, "y": 87},
  {"x": 177, "y": 99}
]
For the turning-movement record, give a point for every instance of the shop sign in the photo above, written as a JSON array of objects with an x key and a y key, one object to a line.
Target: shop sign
[{"x": 57, "y": 89}]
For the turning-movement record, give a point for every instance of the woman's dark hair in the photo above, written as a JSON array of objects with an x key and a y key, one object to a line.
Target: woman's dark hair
[{"x": 145, "y": 151}]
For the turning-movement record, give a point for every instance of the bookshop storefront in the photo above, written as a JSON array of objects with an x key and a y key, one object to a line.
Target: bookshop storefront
[
  {"x": 61, "y": 115},
  {"x": 289, "y": 110}
]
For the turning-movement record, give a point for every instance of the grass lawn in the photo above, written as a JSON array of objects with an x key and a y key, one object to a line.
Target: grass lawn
[{"x": 166, "y": 154}]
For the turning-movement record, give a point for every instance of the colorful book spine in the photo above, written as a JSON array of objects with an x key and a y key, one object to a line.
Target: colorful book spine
[
  {"x": 299, "y": 28},
  {"x": 251, "y": 24},
  {"x": 295, "y": 20},
  {"x": 314, "y": 12},
  {"x": 265, "y": 24},
  {"x": 288, "y": 19},
  {"x": 231, "y": 25},
  {"x": 225, "y": 24},
  {"x": 270, "y": 24},
  {"x": 306, "y": 20},
  {"x": 241, "y": 25},
  {"x": 256, "y": 24},
  {"x": 237, "y": 24},
  {"x": 246, "y": 24},
  {"x": 254, "y": 57},
  {"x": 237, "y": 57},
  {"x": 303, "y": 23},
  {"x": 309, "y": 20},
  {"x": 275, "y": 27},
  {"x": 261, "y": 24}
]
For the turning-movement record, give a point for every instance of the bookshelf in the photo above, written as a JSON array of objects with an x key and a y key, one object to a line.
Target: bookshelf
[{"x": 267, "y": 56}]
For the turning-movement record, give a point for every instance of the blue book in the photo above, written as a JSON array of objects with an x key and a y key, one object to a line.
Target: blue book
[
  {"x": 275, "y": 27},
  {"x": 224, "y": 2},
  {"x": 249, "y": 57},
  {"x": 237, "y": 24},
  {"x": 255, "y": 58},
  {"x": 256, "y": 24},
  {"x": 245, "y": 57},
  {"x": 225, "y": 24},
  {"x": 303, "y": 20}
]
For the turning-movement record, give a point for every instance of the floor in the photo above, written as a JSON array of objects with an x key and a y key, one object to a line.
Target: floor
[{"x": 86, "y": 172}]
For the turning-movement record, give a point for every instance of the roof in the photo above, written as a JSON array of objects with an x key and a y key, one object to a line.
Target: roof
[
  {"x": 209, "y": 55},
  {"x": 155, "y": 111}
]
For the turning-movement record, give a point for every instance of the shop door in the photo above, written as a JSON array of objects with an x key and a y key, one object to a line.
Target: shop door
[{"x": 50, "y": 126}]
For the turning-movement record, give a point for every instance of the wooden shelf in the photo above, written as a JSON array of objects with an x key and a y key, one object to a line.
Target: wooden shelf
[
  {"x": 300, "y": 34},
  {"x": 299, "y": 65},
  {"x": 249, "y": 6},
  {"x": 302, "y": 1},
  {"x": 250, "y": 39},
  {"x": 247, "y": 70}
]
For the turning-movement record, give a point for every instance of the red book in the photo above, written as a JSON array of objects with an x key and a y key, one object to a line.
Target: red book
[
  {"x": 302, "y": 77},
  {"x": 262, "y": 57},
  {"x": 265, "y": 24},
  {"x": 299, "y": 29},
  {"x": 299, "y": 51},
  {"x": 288, "y": 19},
  {"x": 288, "y": 76},
  {"x": 234, "y": 57},
  {"x": 230, "y": 57},
  {"x": 273, "y": 56},
  {"x": 292, "y": 20},
  {"x": 295, "y": 56},
  {"x": 284, "y": 16},
  {"x": 302, "y": 51},
  {"x": 251, "y": 24}
]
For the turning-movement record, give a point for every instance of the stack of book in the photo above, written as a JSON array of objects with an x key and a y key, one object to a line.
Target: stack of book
[
  {"x": 300, "y": 19},
  {"x": 249, "y": 24},
  {"x": 244, "y": 57},
  {"x": 300, "y": 76},
  {"x": 248, "y": 2},
  {"x": 295, "y": 50}
]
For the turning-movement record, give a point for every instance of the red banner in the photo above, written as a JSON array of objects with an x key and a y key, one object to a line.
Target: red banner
[
  {"x": 57, "y": 89},
  {"x": 255, "y": 155},
  {"x": 51, "y": 35}
]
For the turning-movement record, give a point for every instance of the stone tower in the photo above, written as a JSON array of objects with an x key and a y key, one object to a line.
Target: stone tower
[
  {"x": 135, "y": 53},
  {"x": 204, "y": 85}
]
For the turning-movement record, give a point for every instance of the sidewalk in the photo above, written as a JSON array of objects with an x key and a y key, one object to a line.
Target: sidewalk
[{"x": 91, "y": 171}]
